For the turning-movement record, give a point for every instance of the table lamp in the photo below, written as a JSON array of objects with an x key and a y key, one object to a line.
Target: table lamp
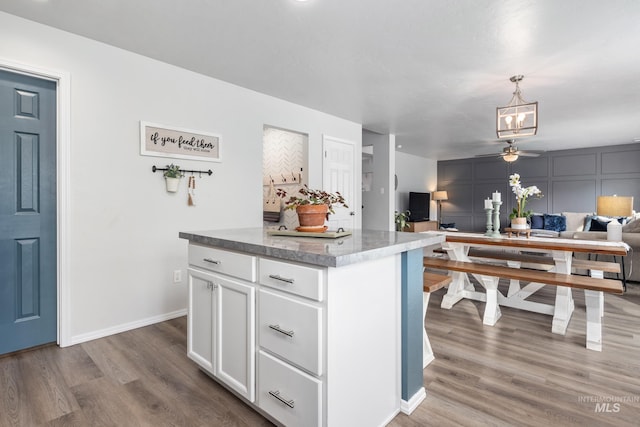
[
  {"x": 439, "y": 196},
  {"x": 614, "y": 206}
]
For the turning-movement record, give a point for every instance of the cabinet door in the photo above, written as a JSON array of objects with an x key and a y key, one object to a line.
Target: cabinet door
[
  {"x": 234, "y": 324},
  {"x": 200, "y": 320}
]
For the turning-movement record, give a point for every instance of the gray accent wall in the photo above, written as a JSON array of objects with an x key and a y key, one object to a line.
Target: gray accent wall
[{"x": 570, "y": 180}]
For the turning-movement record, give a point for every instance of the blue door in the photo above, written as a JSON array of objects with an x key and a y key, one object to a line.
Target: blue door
[{"x": 28, "y": 288}]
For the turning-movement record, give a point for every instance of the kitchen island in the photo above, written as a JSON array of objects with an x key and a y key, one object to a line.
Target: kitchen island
[{"x": 310, "y": 331}]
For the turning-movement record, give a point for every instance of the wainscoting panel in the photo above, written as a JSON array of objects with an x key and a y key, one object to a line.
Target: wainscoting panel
[
  {"x": 532, "y": 167},
  {"x": 574, "y": 196},
  {"x": 576, "y": 164},
  {"x": 454, "y": 171},
  {"x": 494, "y": 169},
  {"x": 621, "y": 162}
]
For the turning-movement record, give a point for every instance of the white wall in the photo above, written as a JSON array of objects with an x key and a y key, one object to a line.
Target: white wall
[
  {"x": 123, "y": 244},
  {"x": 415, "y": 174}
]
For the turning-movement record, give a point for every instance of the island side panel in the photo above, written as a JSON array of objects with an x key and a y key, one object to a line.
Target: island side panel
[
  {"x": 412, "y": 326},
  {"x": 363, "y": 343}
]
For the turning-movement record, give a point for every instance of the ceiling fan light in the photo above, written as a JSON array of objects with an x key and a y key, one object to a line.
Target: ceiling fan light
[{"x": 510, "y": 157}]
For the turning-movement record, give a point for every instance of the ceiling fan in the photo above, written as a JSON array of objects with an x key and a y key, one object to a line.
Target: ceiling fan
[{"x": 510, "y": 153}]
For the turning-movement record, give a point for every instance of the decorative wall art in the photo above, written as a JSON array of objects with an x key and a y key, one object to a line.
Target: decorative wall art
[{"x": 177, "y": 143}]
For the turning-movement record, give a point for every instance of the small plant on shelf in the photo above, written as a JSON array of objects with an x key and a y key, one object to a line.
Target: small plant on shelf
[{"x": 312, "y": 197}]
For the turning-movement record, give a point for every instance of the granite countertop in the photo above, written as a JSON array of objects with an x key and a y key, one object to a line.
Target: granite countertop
[{"x": 362, "y": 245}]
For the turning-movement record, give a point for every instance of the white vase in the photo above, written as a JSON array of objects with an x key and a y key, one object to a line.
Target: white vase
[
  {"x": 519, "y": 223},
  {"x": 172, "y": 184}
]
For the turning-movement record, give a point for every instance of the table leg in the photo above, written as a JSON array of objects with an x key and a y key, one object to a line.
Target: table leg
[
  {"x": 460, "y": 281},
  {"x": 564, "y": 304},
  {"x": 427, "y": 351},
  {"x": 514, "y": 285},
  {"x": 454, "y": 292},
  {"x": 491, "y": 310},
  {"x": 594, "y": 300}
]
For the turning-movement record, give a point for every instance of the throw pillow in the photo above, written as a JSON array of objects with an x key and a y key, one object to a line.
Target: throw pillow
[
  {"x": 576, "y": 220},
  {"x": 537, "y": 222},
  {"x": 587, "y": 222},
  {"x": 555, "y": 222},
  {"x": 598, "y": 224}
]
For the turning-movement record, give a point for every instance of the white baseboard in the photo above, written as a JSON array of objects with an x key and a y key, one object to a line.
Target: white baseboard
[
  {"x": 78, "y": 339},
  {"x": 414, "y": 402}
]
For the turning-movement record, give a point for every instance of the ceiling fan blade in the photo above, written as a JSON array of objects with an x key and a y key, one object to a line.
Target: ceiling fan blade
[
  {"x": 489, "y": 155},
  {"x": 527, "y": 154}
]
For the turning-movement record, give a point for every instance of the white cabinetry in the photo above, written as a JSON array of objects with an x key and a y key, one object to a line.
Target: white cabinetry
[
  {"x": 321, "y": 346},
  {"x": 221, "y": 326}
]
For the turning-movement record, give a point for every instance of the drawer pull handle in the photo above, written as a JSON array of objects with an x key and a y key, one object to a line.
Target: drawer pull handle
[
  {"x": 280, "y": 278},
  {"x": 212, "y": 261},
  {"x": 277, "y": 328},
  {"x": 276, "y": 394}
]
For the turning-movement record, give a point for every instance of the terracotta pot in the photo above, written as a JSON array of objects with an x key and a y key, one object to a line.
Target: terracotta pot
[
  {"x": 312, "y": 215},
  {"x": 519, "y": 223}
]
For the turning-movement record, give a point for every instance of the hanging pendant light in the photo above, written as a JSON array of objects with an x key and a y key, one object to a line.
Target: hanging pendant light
[{"x": 519, "y": 118}]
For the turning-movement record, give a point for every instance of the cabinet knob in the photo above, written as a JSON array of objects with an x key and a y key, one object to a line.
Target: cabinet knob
[{"x": 211, "y": 261}]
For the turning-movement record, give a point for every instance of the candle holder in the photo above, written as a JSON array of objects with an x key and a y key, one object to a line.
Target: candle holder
[
  {"x": 496, "y": 219},
  {"x": 489, "y": 232}
]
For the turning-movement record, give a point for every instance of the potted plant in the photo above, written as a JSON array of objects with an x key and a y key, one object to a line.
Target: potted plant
[
  {"x": 172, "y": 177},
  {"x": 312, "y": 206},
  {"x": 401, "y": 220},
  {"x": 519, "y": 215}
]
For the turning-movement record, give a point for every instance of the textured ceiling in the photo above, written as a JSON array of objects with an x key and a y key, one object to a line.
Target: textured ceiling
[{"x": 430, "y": 71}]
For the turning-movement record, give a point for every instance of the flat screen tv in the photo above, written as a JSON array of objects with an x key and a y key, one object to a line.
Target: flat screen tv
[{"x": 419, "y": 206}]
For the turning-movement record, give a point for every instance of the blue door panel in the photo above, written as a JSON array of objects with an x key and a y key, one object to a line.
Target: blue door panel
[{"x": 28, "y": 277}]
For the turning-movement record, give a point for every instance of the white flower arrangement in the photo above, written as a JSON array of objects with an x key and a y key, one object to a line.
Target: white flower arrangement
[{"x": 522, "y": 194}]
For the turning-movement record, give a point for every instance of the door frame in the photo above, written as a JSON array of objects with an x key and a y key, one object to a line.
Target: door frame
[{"x": 63, "y": 199}]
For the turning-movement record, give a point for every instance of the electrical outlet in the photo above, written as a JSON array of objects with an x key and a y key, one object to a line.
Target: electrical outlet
[{"x": 177, "y": 276}]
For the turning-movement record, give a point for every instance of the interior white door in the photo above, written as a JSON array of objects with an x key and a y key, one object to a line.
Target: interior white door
[{"x": 338, "y": 174}]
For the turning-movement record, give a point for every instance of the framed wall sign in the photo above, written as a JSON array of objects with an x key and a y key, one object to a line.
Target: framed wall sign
[{"x": 177, "y": 143}]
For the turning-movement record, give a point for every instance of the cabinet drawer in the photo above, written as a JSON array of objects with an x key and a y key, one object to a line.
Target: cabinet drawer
[
  {"x": 225, "y": 262},
  {"x": 292, "y": 329},
  {"x": 294, "y": 278},
  {"x": 287, "y": 394}
]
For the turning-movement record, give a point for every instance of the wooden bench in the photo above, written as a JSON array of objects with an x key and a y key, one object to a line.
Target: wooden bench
[
  {"x": 431, "y": 282},
  {"x": 546, "y": 277},
  {"x": 594, "y": 288}
]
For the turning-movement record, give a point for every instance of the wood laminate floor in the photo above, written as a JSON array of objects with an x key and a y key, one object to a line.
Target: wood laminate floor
[{"x": 516, "y": 373}]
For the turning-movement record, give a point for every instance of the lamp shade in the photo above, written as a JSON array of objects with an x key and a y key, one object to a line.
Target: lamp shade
[
  {"x": 440, "y": 195},
  {"x": 615, "y": 205}
]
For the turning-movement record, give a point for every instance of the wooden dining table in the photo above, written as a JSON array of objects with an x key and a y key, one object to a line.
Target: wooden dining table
[{"x": 457, "y": 246}]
